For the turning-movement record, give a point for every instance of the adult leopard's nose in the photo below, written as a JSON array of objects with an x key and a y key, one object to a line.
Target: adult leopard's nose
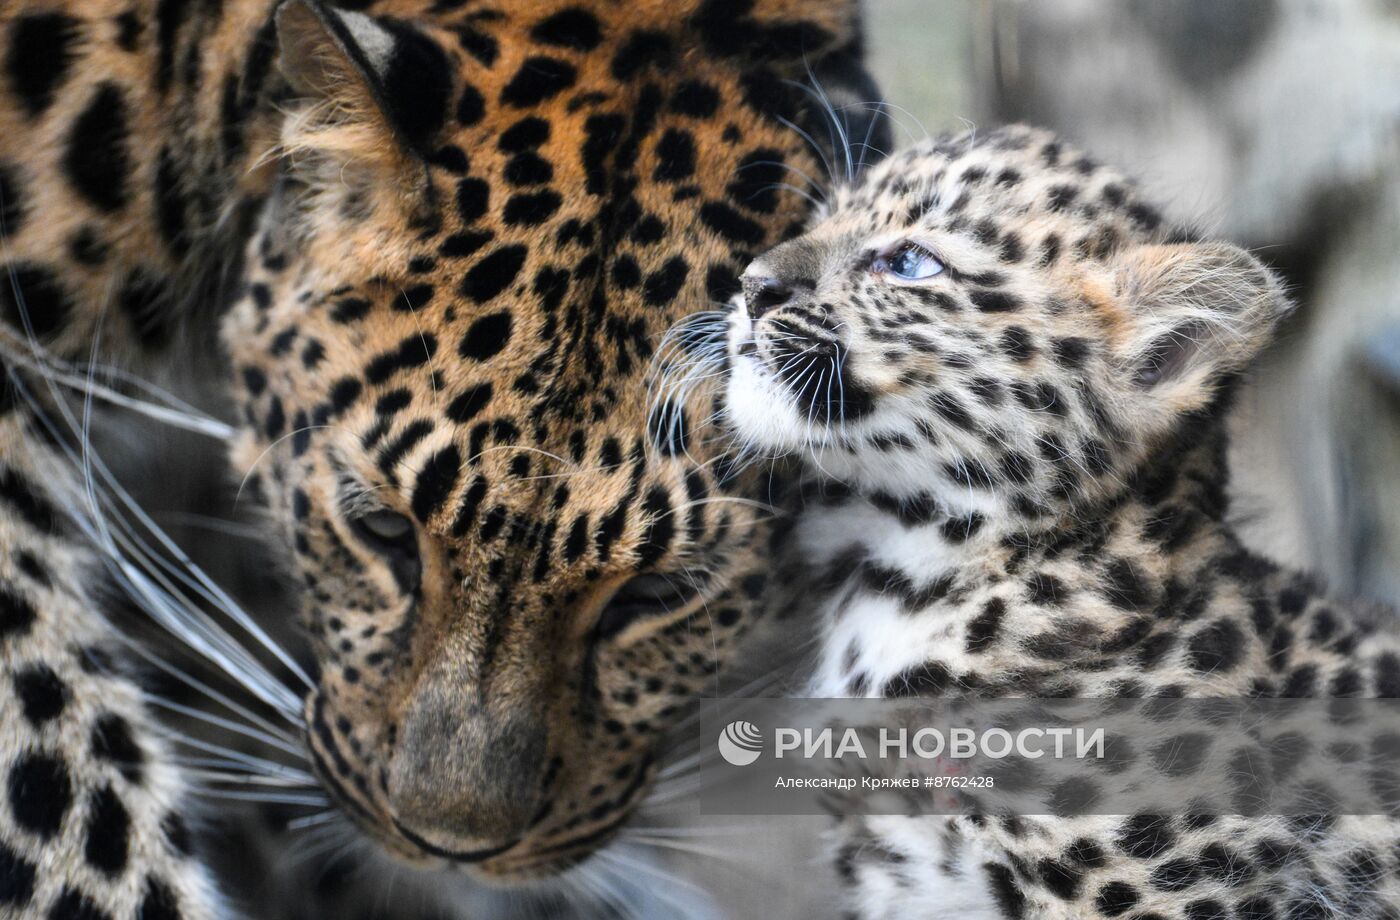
[{"x": 466, "y": 771}]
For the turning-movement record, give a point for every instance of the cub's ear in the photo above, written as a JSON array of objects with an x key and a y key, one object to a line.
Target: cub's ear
[
  {"x": 1196, "y": 314},
  {"x": 379, "y": 88}
]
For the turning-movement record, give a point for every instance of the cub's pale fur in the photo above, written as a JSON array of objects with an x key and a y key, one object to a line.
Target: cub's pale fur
[{"x": 1006, "y": 378}]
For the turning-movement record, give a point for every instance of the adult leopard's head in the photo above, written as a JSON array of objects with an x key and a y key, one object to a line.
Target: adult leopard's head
[{"x": 485, "y": 219}]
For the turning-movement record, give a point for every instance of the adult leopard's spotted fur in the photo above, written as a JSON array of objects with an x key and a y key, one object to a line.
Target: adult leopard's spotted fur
[
  {"x": 443, "y": 239},
  {"x": 1007, "y": 375}
]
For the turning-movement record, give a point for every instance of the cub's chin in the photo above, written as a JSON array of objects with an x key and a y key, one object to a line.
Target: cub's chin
[{"x": 760, "y": 414}]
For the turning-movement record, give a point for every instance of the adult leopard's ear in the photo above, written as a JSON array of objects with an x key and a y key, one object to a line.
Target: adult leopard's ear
[
  {"x": 1193, "y": 316},
  {"x": 377, "y": 89}
]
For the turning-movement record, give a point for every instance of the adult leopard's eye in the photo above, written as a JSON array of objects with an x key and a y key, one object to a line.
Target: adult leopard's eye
[
  {"x": 386, "y": 526},
  {"x": 394, "y": 537},
  {"x": 645, "y": 595},
  {"x": 911, "y": 262}
]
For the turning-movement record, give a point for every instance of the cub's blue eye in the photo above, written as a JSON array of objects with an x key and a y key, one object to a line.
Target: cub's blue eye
[{"x": 911, "y": 262}]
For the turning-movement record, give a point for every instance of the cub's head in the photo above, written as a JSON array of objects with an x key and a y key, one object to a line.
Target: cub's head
[
  {"x": 989, "y": 326},
  {"x": 485, "y": 218}
]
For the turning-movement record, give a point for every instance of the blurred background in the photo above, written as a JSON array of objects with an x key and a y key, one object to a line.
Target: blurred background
[{"x": 1273, "y": 123}]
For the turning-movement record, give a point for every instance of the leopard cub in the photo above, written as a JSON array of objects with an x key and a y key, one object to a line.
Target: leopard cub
[{"x": 1007, "y": 376}]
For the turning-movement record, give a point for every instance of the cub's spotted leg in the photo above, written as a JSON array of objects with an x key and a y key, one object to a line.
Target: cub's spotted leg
[
  {"x": 926, "y": 875},
  {"x": 92, "y": 825}
]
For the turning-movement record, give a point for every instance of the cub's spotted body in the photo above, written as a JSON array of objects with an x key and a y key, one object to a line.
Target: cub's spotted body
[
  {"x": 441, "y": 241},
  {"x": 1007, "y": 379}
]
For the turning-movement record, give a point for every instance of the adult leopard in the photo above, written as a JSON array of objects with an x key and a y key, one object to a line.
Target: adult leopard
[
  {"x": 1008, "y": 377},
  {"x": 442, "y": 239}
]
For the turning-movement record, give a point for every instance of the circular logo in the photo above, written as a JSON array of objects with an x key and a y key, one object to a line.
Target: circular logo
[{"x": 740, "y": 743}]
